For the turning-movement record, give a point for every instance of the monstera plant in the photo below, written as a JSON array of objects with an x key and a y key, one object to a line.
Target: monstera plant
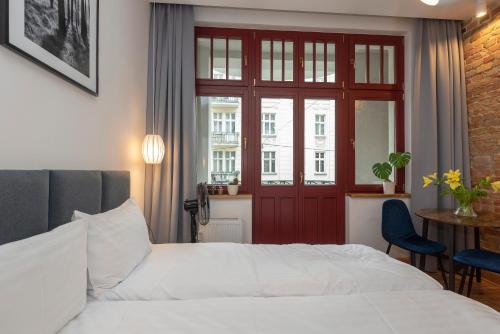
[{"x": 383, "y": 170}]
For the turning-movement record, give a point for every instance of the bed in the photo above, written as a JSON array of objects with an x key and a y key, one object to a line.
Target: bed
[
  {"x": 381, "y": 312},
  {"x": 217, "y": 288}
]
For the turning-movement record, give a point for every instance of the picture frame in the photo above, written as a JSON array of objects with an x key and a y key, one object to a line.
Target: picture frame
[{"x": 62, "y": 36}]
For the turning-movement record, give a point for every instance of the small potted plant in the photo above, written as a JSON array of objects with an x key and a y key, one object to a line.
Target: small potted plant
[
  {"x": 453, "y": 185},
  {"x": 232, "y": 187},
  {"x": 383, "y": 170}
]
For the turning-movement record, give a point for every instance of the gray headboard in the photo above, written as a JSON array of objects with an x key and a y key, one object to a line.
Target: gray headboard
[{"x": 36, "y": 201}]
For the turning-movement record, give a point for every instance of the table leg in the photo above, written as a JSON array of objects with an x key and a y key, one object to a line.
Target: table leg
[
  {"x": 425, "y": 232},
  {"x": 477, "y": 245},
  {"x": 451, "y": 265}
]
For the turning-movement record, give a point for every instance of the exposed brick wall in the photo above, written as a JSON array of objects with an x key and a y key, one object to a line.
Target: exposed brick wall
[{"x": 482, "y": 74}]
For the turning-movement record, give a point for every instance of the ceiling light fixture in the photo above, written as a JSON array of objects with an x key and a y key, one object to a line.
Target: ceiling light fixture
[
  {"x": 430, "y": 2},
  {"x": 481, "y": 8}
]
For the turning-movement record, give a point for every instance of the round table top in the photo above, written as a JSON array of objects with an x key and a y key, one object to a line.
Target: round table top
[{"x": 446, "y": 216}]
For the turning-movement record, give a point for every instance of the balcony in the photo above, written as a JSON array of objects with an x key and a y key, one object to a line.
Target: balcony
[
  {"x": 226, "y": 138},
  {"x": 223, "y": 177},
  {"x": 225, "y": 100}
]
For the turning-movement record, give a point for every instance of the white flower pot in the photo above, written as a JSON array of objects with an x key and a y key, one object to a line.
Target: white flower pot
[
  {"x": 232, "y": 189},
  {"x": 389, "y": 187}
]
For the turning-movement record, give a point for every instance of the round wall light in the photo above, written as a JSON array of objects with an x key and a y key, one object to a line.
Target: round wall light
[
  {"x": 430, "y": 2},
  {"x": 153, "y": 149}
]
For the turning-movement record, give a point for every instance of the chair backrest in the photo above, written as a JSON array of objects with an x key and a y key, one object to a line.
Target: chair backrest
[{"x": 396, "y": 220}]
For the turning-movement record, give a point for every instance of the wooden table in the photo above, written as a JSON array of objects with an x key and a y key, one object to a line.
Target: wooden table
[{"x": 446, "y": 216}]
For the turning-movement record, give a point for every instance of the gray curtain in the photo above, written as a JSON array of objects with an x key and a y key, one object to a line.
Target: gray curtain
[
  {"x": 439, "y": 121},
  {"x": 171, "y": 82}
]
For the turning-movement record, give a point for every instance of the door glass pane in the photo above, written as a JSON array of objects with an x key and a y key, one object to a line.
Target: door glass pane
[
  {"x": 389, "y": 76},
  {"x": 277, "y": 60},
  {"x": 375, "y": 64},
  {"x": 235, "y": 62},
  {"x": 320, "y": 62},
  {"x": 203, "y": 52},
  {"x": 360, "y": 63},
  {"x": 219, "y": 138},
  {"x": 219, "y": 58},
  {"x": 277, "y": 150},
  {"x": 319, "y": 142},
  {"x": 375, "y": 137},
  {"x": 288, "y": 61},
  {"x": 308, "y": 62},
  {"x": 330, "y": 65},
  {"x": 266, "y": 61}
]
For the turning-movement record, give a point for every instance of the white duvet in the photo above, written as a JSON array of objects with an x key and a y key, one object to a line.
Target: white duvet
[
  {"x": 193, "y": 271},
  {"x": 382, "y": 312}
]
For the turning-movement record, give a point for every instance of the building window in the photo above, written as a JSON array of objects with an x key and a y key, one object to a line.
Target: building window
[
  {"x": 269, "y": 124},
  {"x": 230, "y": 161},
  {"x": 230, "y": 122},
  {"x": 320, "y": 125},
  {"x": 269, "y": 162},
  {"x": 217, "y": 122},
  {"x": 217, "y": 161},
  {"x": 319, "y": 158}
]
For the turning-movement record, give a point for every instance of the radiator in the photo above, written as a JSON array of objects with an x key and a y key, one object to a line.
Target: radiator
[{"x": 222, "y": 230}]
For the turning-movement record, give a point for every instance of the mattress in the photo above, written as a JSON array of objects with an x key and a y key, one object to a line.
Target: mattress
[
  {"x": 216, "y": 270},
  {"x": 406, "y": 312}
]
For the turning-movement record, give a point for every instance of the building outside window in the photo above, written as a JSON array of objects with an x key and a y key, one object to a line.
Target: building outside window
[
  {"x": 319, "y": 160},
  {"x": 269, "y": 162},
  {"x": 320, "y": 125},
  {"x": 269, "y": 124},
  {"x": 217, "y": 122}
]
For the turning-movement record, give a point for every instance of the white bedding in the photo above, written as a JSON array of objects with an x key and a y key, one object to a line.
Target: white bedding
[
  {"x": 381, "y": 312},
  {"x": 192, "y": 271}
]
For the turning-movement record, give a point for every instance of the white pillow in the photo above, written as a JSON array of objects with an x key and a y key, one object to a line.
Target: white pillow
[
  {"x": 117, "y": 242},
  {"x": 43, "y": 280}
]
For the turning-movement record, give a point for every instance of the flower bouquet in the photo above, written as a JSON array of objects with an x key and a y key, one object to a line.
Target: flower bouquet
[{"x": 463, "y": 195}]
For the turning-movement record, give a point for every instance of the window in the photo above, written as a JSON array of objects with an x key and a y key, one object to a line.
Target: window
[
  {"x": 268, "y": 124},
  {"x": 219, "y": 126},
  {"x": 269, "y": 162},
  {"x": 217, "y": 122},
  {"x": 320, "y": 125},
  {"x": 319, "y": 160},
  {"x": 328, "y": 106}
]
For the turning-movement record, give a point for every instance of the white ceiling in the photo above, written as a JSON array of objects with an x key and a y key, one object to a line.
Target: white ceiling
[{"x": 446, "y": 9}]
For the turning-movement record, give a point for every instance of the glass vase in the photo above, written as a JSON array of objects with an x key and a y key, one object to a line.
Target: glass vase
[{"x": 465, "y": 210}]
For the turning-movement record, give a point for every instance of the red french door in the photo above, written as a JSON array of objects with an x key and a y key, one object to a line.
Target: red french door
[{"x": 297, "y": 191}]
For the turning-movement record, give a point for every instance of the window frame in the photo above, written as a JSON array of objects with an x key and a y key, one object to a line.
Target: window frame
[
  {"x": 269, "y": 122},
  {"x": 272, "y": 162},
  {"x": 228, "y": 33},
  {"x": 246, "y": 159},
  {"x": 319, "y": 161},
  {"x": 397, "y": 42},
  {"x": 395, "y": 96},
  {"x": 319, "y": 125}
]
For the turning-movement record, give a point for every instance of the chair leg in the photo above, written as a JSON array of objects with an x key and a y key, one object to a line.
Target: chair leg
[
  {"x": 462, "y": 280},
  {"x": 388, "y": 248},
  {"x": 413, "y": 260},
  {"x": 471, "y": 279},
  {"x": 441, "y": 268}
]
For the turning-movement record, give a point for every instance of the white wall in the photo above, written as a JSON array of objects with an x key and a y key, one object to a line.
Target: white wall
[
  {"x": 299, "y": 21},
  {"x": 46, "y": 122}
]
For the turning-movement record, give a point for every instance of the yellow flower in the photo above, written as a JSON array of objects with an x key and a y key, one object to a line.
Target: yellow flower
[
  {"x": 495, "y": 186},
  {"x": 426, "y": 180},
  {"x": 454, "y": 185},
  {"x": 433, "y": 176},
  {"x": 452, "y": 176}
]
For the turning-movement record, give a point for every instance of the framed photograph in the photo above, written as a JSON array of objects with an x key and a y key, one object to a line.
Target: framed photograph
[{"x": 60, "y": 35}]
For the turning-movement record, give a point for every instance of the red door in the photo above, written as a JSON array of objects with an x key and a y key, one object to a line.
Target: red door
[{"x": 298, "y": 195}]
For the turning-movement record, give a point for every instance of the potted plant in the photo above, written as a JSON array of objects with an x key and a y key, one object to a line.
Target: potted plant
[
  {"x": 232, "y": 187},
  {"x": 383, "y": 170},
  {"x": 453, "y": 183}
]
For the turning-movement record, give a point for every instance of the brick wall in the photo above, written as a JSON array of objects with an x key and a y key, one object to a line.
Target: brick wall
[{"x": 482, "y": 74}]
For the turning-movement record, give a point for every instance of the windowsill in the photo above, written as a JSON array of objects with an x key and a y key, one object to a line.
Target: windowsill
[
  {"x": 226, "y": 196},
  {"x": 268, "y": 136},
  {"x": 270, "y": 174},
  {"x": 320, "y": 136},
  {"x": 377, "y": 195},
  {"x": 319, "y": 174}
]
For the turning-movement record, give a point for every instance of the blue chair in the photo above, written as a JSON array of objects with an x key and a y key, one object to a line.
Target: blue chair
[
  {"x": 397, "y": 229},
  {"x": 474, "y": 259}
]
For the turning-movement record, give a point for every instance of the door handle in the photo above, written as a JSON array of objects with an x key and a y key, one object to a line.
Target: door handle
[{"x": 301, "y": 177}]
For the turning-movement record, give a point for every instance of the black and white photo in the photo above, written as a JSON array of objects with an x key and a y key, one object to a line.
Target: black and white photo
[{"x": 61, "y": 35}]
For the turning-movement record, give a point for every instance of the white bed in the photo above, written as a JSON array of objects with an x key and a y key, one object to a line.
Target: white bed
[
  {"x": 380, "y": 312},
  {"x": 193, "y": 271}
]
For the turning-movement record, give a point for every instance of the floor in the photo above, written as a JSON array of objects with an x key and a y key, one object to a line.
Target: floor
[{"x": 486, "y": 292}]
